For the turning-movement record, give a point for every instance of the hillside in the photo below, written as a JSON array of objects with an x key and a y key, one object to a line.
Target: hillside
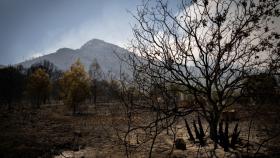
[{"x": 105, "y": 53}]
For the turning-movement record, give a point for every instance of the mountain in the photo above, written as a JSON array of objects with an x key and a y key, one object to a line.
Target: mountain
[{"x": 105, "y": 53}]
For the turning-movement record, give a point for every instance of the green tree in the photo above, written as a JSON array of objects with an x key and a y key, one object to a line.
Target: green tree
[
  {"x": 75, "y": 85},
  {"x": 38, "y": 87}
]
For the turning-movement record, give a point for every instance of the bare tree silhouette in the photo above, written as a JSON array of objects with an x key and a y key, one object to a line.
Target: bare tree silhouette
[{"x": 207, "y": 49}]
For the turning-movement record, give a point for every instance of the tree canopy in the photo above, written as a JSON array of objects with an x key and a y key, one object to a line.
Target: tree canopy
[
  {"x": 38, "y": 87},
  {"x": 208, "y": 48},
  {"x": 75, "y": 85}
]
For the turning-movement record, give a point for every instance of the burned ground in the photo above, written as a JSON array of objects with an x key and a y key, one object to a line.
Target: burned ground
[{"x": 53, "y": 131}]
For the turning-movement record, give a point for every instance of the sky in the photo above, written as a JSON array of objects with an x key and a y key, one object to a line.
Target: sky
[{"x": 31, "y": 28}]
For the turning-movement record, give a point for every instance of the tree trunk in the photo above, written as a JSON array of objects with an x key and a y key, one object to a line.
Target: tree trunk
[
  {"x": 213, "y": 124},
  {"x": 94, "y": 95},
  {"x": 94, "y": 91},
  {"x": 38, "y": 102},
  {"x": 74, "y": 109},
  {"x": 9, "y": 106}
]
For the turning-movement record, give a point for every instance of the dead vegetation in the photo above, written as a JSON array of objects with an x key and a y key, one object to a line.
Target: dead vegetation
[
  {"x": 99, "y": 132},
  {"x": 48, "y": 131}
]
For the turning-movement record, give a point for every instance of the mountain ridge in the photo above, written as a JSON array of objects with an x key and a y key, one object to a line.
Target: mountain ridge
[{"x": 105, "y": 53}]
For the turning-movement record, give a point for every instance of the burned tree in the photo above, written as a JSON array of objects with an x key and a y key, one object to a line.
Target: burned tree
[
  {"x": 207, "y": 48},
  {"x": 95, "y": 74},
  {"x": 12, "y": 82}
]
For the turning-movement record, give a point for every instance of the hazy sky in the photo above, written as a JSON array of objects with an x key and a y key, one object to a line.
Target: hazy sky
[{"x": 31, "y": 28}]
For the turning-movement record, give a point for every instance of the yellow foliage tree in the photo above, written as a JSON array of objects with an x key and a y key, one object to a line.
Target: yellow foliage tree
[
  {"x": 75, "y": 85},
  {"x": 38, "y": 87}
]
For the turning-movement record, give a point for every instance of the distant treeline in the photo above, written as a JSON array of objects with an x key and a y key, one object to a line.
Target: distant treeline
[{"x": 43, "y": 83}]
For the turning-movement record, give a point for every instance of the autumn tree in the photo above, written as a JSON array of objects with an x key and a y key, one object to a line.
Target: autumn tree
[
  {"x": 207, "y": 48},
  {"x": 75, "y": 85},
  {"x": 95, "y": 74},
  {"x": 53, "y": 72},
  {"x": 38, "y": 87}
]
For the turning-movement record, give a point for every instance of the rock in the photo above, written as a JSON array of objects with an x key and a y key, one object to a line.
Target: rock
[{"x": 180, "y": 144}]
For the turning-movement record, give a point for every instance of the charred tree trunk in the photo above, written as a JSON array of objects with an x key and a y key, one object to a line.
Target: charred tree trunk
[
  {"x": 74, "y": 109},
  {"x": 94, "y": 91},
  {"x": 213, "y": 124}
]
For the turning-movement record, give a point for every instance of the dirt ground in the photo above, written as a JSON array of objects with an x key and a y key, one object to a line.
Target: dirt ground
[{"x": 52, "y": 131}]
